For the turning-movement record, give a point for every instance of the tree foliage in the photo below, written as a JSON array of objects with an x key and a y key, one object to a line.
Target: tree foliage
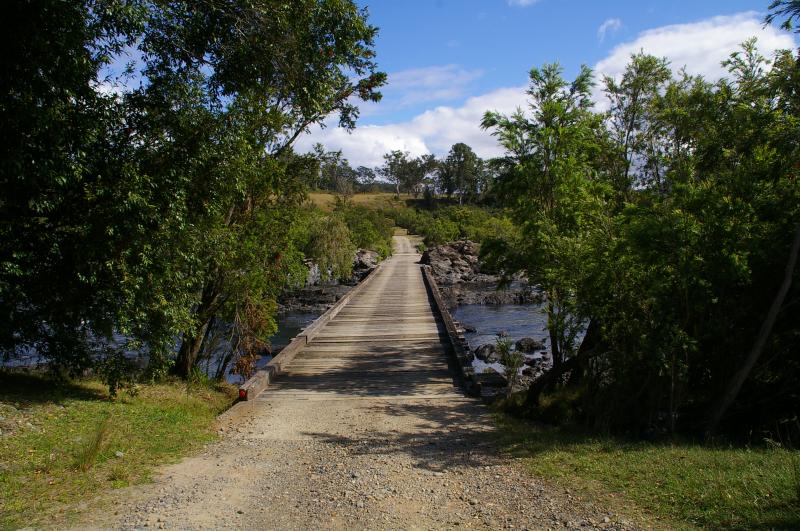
[
  {"x": 665, "y": 225},
  {"x": 147, "y": 213}
]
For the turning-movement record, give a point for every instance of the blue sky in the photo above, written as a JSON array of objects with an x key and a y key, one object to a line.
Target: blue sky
[{"x": 450, "y": 60}]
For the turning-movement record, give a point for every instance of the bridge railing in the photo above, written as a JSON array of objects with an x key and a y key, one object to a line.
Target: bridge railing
[
  {"x": 458, "y": 342},
  {"x": 277, "y": 365}
]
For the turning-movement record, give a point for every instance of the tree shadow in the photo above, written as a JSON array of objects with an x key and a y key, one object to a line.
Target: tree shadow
[
  {"x": 436, "y": 434},
  {"x": 26, "y": 388}
]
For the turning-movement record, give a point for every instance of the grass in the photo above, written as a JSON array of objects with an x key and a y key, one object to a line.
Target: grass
[
  {"x": 326, "y": 200},
  {"x": 63, "y": 446},
  {"x": 679, "y": 485}
]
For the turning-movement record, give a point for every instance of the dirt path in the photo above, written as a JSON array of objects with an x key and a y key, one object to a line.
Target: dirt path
[{"x": 368, "y": 431}]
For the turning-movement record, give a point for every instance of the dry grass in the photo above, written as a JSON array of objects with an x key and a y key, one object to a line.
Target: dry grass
[{"x": 327, "y": 201}]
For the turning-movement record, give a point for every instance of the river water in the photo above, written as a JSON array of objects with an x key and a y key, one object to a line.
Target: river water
[
  {"x": 515, "y": 320},
  {"x": 290, "y": 324}
]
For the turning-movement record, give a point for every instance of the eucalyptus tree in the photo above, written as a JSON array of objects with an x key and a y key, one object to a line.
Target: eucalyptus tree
[
  {"x": 156, "y": 209},
  {"x": 461, "y": 172},
  {"x": 550, "y": 152}
]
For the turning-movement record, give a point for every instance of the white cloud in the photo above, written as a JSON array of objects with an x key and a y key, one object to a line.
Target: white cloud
[
  {"x": 521, "y": 3},
  {"x": 433, "y": 131},
  {"x": 610, "y": 25},
  {"x": 700, "y": 46},
  {"x": 433, "y": 83}
]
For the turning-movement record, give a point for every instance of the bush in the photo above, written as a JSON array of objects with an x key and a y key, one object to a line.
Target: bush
[{"x": 454, "y": 222}]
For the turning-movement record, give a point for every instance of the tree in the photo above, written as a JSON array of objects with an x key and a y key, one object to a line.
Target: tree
[
  {"x": 151, "y": 212},
  {"x": 395, "y": 169},
  {"x": 784, "y": 8},
  {"x": 550, "y": 152},
  {"x": 365, "y": 177},
  {"x": 461, "y": 172},
  {"x": 312, "y": 80},
  {"x": 635, "y": 159}
]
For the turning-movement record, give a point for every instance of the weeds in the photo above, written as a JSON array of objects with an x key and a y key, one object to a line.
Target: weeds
[
  {"x": 511, "y": 359},
  {"x": 87, "y": 456}
]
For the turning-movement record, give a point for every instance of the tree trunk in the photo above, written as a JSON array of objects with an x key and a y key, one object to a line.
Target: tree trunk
[
  {"x": 735, "y": 384},
  {"x": 193, "y": 339},
  {"x": 590, "y": 347},
  {"x": 555, "y": 349},
  {"x": 190, "y": 348}
]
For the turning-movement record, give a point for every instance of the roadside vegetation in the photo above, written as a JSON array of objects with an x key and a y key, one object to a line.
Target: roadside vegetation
[
  {"x": 670, "y": 484},
  {"x": 64, "y": 446},
  {"x": 163, "y": 209}
]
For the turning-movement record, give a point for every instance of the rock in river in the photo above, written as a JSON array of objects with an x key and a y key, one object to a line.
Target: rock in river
[
  {"x": 528, "y": 344},
  {"x": 487, "y": 353}
]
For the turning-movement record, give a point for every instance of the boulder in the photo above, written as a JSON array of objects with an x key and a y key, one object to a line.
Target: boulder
[
  {"x": 314, "y": 276},
  {"x": 487, "y": 353},
  {"x": 491, "y": 378},
  {"x": 364, "y": 262},
  {"x": 528, "y": 344},
  {"x": 453, "y": 262}
]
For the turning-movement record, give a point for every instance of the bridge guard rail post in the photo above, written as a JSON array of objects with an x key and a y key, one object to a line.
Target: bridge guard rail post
[
  {"x": 262, "y": 378},
  {"x": 458, "y": 342}
]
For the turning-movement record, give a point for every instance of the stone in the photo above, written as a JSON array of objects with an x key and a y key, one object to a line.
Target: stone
[
  {"x": 528, "y": 344},
  {"x": 487, "y": 353},
  {"x": 491, "y": 378},
  {"x": 119, "y": 454}
]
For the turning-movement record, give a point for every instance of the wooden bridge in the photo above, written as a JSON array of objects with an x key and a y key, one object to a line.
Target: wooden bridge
[
  {"x": 386, "y": 338},
  {"x": 358, "y": 424}
]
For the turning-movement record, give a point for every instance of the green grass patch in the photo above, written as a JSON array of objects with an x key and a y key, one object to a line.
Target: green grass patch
[
  {"x": 63, "y": 446},
  {"x": 678, "y": 484}
]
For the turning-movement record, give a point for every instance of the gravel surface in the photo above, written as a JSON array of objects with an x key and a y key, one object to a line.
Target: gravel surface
[
  {"x": 366, "y": 431},
  {"x": 353, "y": 464}
]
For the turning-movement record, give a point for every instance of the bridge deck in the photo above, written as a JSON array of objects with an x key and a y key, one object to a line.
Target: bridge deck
[{"x": 386, "y": 342}]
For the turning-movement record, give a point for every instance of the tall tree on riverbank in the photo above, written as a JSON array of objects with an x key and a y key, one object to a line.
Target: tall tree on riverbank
[
  {"x": 276, "y": 69},
  {"x": 550, "y": 153},
  {"x": 151, "y": 210}
]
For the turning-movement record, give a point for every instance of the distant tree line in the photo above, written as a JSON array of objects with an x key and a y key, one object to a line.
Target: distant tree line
[{"x": 461, "y": 174}]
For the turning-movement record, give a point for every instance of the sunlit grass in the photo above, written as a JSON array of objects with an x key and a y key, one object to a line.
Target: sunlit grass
[
  {"x": 326, "y": 200},
  {"x": 62, "y": 446},
  {"x": 679, "y": 484}
]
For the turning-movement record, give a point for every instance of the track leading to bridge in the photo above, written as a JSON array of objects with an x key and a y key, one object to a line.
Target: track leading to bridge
[{"x": 364, "y": 429}]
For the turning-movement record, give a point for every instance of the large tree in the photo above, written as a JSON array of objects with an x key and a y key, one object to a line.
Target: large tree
[
  {"x": 462, "y": 173},
  {"x": 152, "y": 211},
  {"x": 550, "y": 153}
]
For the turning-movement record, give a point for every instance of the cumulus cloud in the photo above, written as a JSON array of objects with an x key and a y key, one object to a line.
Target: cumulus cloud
[
  {"x": 699, "y": 46},
  {"x": 433, "y": 131},
  {"x": 610, "y": 25}
]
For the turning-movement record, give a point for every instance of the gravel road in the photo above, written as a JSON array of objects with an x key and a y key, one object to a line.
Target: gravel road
[{"x": 366, "y": 431}]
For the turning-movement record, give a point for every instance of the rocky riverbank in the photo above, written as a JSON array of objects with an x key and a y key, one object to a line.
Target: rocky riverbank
[
  {"x": 319, "y": 292},
  {"x": 456, "y": 266}
]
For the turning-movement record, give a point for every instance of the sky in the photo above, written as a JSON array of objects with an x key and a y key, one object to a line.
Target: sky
[{"x": 449, "y": 61}]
